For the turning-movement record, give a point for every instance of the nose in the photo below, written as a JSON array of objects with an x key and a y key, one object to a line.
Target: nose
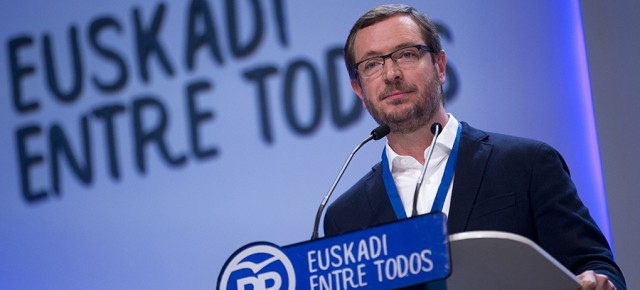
[{"x": 391, "y": 71}]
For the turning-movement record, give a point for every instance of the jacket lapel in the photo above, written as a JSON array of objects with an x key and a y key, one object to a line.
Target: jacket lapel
[
  {"x": 472, "y": 159},
  {"x": 378, "y": 199}
]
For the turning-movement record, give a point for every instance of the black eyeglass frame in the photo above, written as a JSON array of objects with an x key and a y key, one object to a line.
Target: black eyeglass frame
[{"x": 420, "y": 47}]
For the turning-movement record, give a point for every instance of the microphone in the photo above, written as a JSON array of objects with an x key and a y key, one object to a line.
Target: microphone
[
  {"x": 436, "y": 129},
  {"x": 377, "y": 134}
]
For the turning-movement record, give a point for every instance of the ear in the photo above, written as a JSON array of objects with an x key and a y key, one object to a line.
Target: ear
[
  {"x": 441, "y": 66},
  {"x": 355, "y": 85}
]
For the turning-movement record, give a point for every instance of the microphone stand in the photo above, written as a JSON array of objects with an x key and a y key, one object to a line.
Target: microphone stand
[
  {"x": 376, "y": 134},
  {"x": 435, "y": 129}
]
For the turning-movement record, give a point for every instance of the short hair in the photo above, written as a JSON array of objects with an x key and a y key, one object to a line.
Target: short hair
[{"x": 427, "y": 28}]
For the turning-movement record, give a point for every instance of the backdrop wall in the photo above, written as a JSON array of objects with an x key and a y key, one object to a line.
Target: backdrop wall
[{"x": 612, "y": 39}]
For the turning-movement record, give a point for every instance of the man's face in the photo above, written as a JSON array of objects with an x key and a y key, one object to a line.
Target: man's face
[{"x": 404, "y": 99}]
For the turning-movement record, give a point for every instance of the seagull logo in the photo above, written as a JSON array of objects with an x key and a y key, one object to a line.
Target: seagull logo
[
  {"x": 259, "y": 266},
  {"x": 255, "y": 267}
]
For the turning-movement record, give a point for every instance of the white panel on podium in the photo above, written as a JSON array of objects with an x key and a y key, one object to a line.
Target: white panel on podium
[{"x": 499, "y": 260}]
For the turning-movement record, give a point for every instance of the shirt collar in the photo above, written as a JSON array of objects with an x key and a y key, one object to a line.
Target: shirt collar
[{"x": 444, "y": 144}]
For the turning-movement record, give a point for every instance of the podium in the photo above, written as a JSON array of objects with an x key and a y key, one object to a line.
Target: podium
[
  {"x": 500, "y": 260},
  {"x": 395, "y": 255}
]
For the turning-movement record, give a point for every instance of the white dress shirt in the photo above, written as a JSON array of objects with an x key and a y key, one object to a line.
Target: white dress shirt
[{"x": 406, "y": 170}]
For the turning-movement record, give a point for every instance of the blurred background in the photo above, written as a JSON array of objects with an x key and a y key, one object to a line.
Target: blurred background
[{"x": 611, "y": 41}]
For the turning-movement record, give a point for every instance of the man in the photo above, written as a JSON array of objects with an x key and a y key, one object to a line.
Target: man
[{"x": 397, "y": 68}]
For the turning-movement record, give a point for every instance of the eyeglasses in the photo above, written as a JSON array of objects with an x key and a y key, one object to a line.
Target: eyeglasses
[{"x": 405, "y": 57}]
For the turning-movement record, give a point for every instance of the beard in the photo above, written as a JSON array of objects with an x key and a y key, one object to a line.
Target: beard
[{"x": 418, "y": 114}]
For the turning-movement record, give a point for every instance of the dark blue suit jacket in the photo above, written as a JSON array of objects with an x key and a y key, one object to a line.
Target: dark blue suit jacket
[{"x": 501, "y": 183}]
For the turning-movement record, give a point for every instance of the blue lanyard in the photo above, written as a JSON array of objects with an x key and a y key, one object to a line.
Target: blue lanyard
[{"x": 445, "y": 183}]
